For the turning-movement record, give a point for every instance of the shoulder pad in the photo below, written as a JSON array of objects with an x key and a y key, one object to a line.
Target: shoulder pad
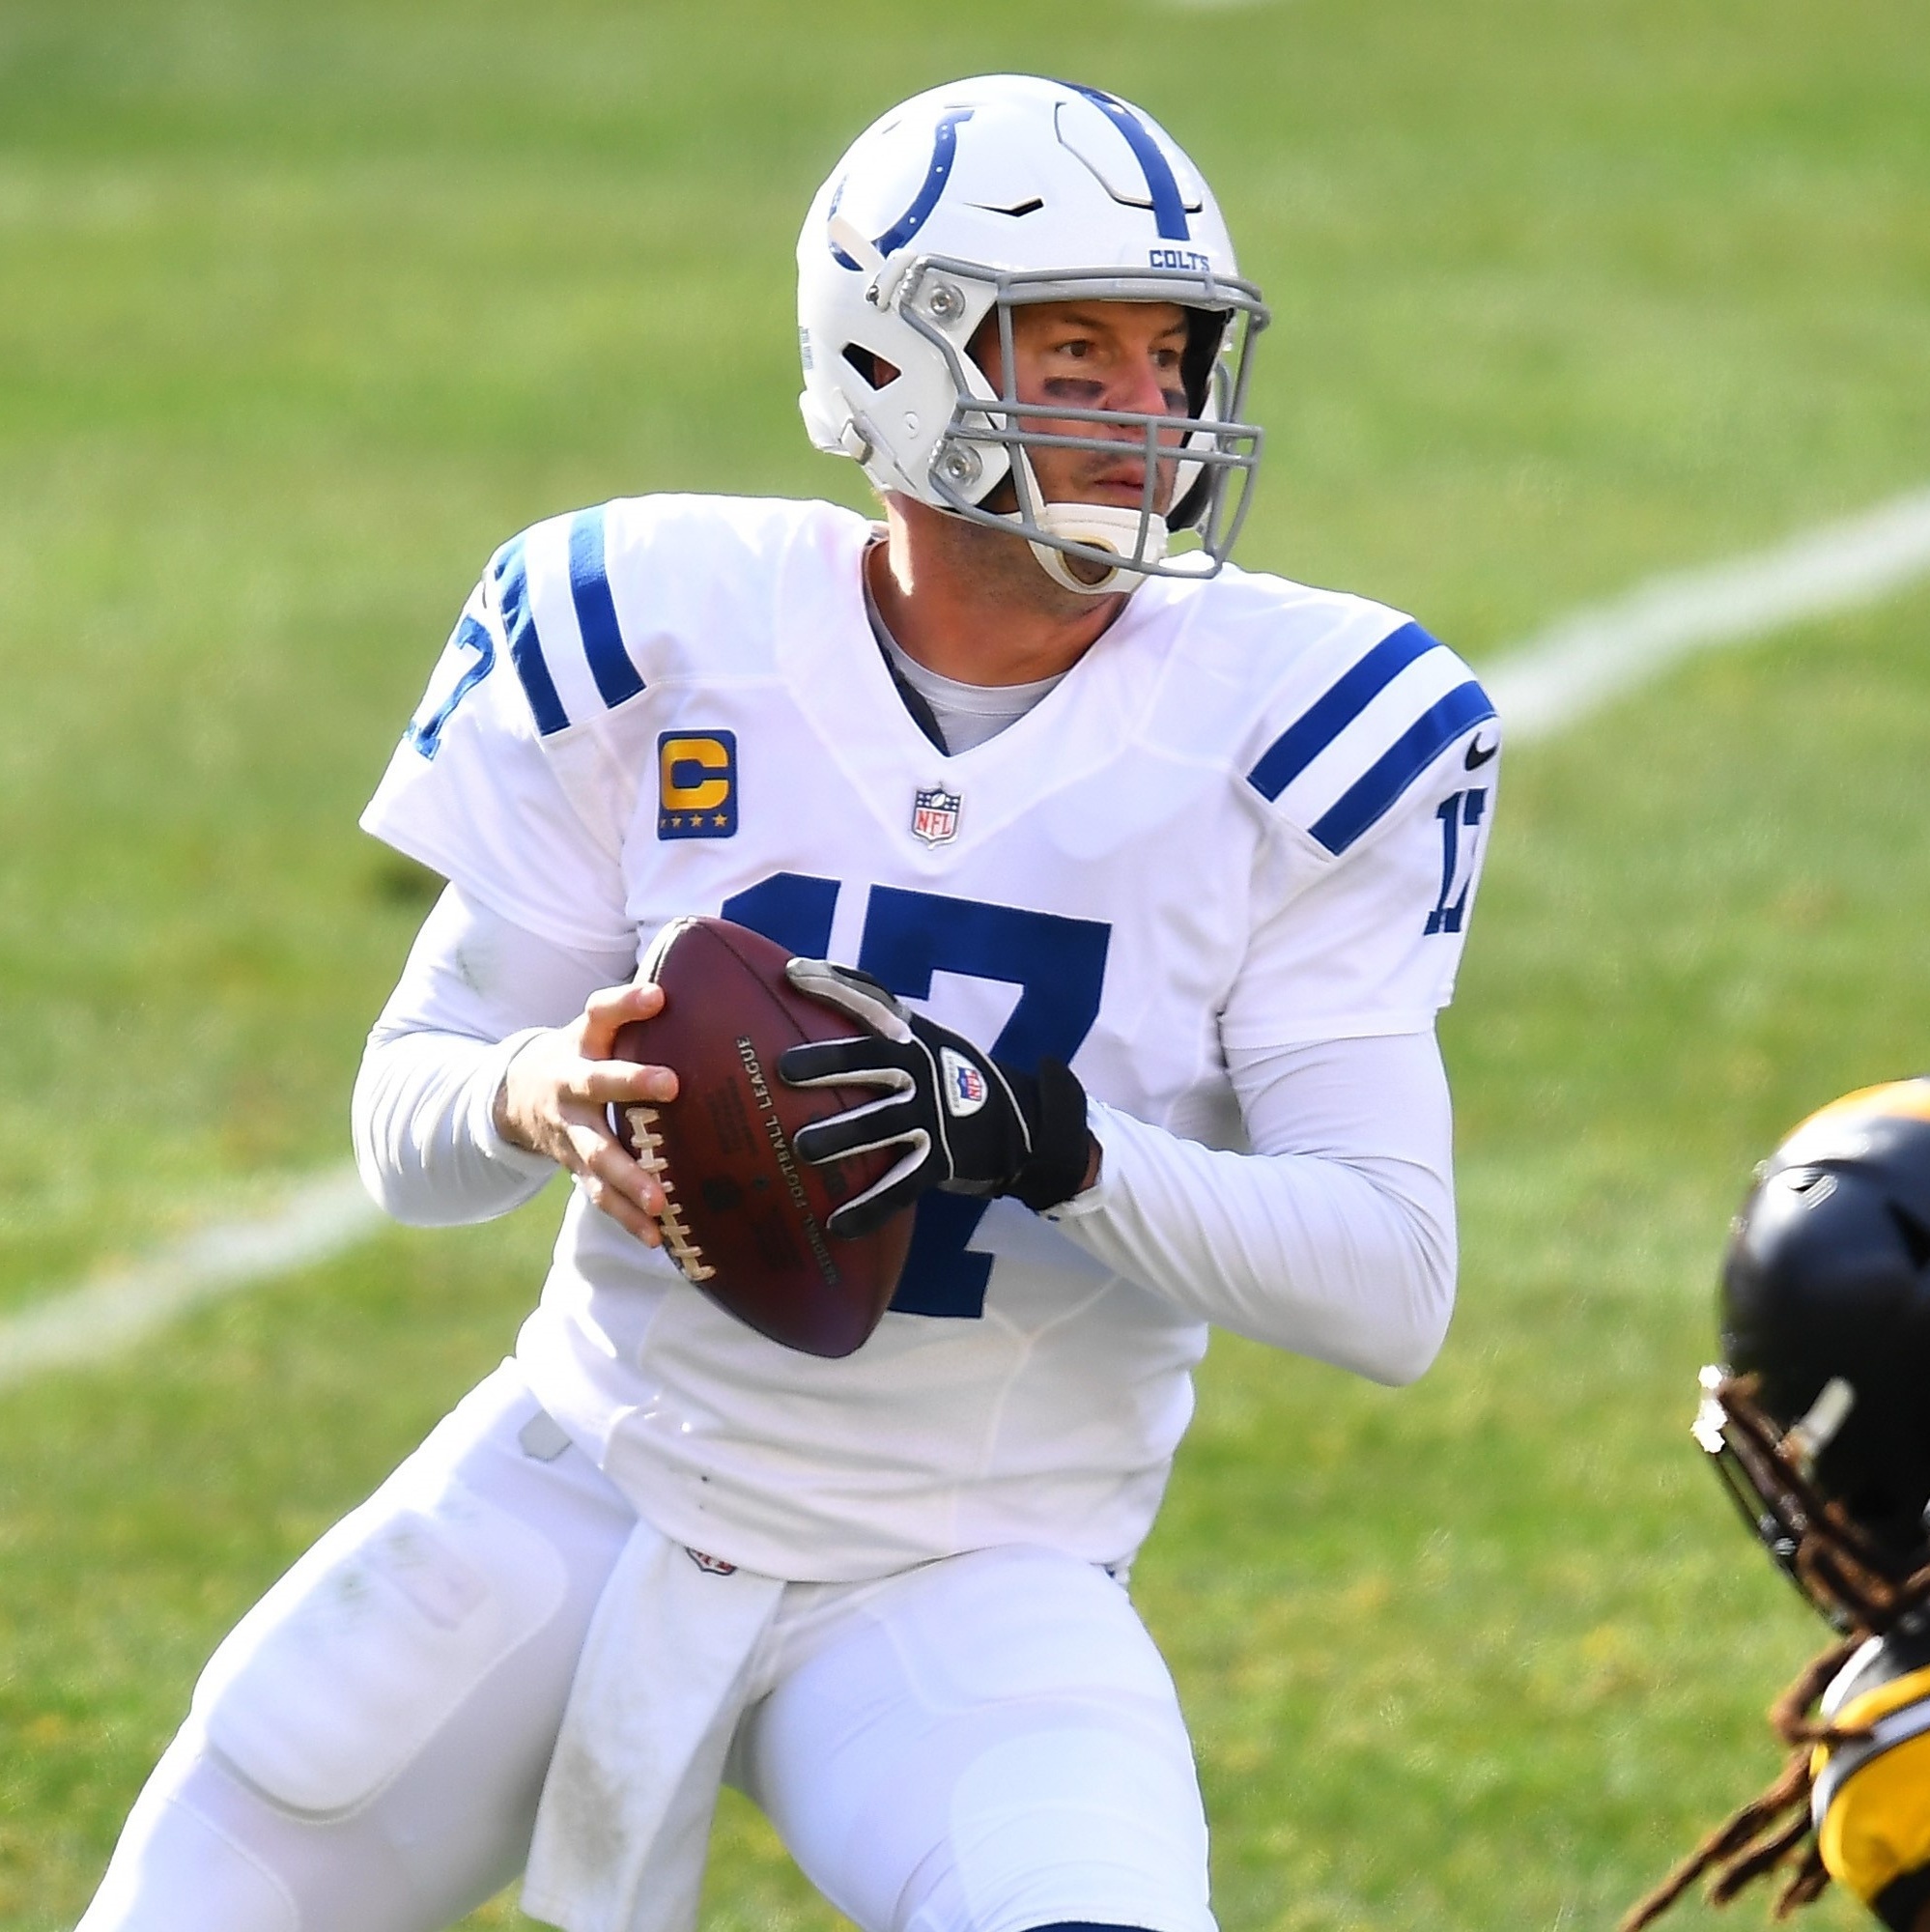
[{"x": 1884, "y": 1690}]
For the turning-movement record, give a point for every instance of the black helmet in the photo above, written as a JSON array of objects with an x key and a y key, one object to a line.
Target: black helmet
[{"x": 1820, "y": 1413}]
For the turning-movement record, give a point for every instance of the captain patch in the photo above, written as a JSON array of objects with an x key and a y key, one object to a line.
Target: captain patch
[{"x": 697, "y": 785}]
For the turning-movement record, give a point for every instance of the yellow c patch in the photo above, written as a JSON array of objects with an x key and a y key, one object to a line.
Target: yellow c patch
[{"x": 697, "y": 785}]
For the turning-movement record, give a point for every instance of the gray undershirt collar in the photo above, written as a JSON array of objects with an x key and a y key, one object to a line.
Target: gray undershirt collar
[{"x": 966, "y": 714}]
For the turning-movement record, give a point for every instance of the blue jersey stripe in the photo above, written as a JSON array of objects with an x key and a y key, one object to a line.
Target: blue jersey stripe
[
  {"x": 596, "y": 610},
  {"x": 525, "y": 647},
  {"x": 1323, "y": 720},
  {"x": 1169, "y": 205},
  {"x": 1400, "y": 764}
]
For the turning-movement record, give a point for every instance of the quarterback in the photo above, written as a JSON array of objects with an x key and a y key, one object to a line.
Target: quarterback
[
  {"x": 1818, "y": 1422},
  {"x": 1177, "y": 857}
]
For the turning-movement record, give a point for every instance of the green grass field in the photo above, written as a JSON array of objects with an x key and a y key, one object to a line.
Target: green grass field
[{"x": 301, "y": 311}]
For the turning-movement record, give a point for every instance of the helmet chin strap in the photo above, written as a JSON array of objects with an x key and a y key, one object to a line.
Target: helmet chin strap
[{"x": 1106, "y": 526}]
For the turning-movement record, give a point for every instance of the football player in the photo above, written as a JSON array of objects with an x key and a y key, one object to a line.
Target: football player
[
  {"x": 1179, "y": 857},
  {"x": 1819, "y": 1423}
]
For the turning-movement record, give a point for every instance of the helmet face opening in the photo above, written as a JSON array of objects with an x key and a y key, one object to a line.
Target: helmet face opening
[
  {"x": 1198, "y": 467},
  {"x": 1845, "y": 1575},
  {"x": 968, "y": 203}
]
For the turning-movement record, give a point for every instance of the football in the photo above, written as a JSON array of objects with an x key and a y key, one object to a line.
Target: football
[{"x": 746, "y": 1221}]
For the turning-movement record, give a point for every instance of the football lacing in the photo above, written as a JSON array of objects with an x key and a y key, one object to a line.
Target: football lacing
[{"x": 677, "y": 1243}]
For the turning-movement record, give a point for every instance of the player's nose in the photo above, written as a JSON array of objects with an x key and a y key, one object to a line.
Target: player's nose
[{"x": 1144, "y": 385}]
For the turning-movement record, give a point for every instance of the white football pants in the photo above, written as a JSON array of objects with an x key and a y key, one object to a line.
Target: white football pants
[{"x": 986, "y": 1744}]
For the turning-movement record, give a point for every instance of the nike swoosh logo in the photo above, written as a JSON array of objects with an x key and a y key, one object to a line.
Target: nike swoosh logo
[{"x": 1478, "y": 754}]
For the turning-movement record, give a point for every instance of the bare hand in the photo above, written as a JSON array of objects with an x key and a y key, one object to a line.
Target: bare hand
[{"x": 554, "y": 1098}]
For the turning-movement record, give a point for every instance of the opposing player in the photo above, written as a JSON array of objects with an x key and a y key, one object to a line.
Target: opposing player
[
  {"x": 1186, "y": 853},
  {"x": 1819, "y": 1423}
]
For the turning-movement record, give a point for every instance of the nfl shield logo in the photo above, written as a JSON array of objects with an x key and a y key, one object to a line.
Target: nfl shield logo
[
  {"x": 935, "y": 815},
  {"x": 965, "y": 1089}
]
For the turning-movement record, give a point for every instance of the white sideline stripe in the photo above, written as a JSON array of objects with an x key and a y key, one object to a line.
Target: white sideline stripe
[
  {"x": 1578, "y": 663},
  {"x": 1555, "y": 679},
  {"x": 115, "y": 1309}
]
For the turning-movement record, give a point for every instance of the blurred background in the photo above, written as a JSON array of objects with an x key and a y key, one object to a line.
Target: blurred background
[{"x": 302, "y": 311}]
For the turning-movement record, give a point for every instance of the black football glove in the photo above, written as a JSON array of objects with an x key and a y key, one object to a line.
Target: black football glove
[{"x": 959, "y": 1121}]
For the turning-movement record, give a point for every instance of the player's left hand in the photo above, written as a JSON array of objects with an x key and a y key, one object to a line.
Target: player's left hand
[{"x": 959, "y": 1120}]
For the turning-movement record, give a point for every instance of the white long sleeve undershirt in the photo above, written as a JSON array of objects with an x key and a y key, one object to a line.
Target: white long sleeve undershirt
[
  {"x": 1335, "y": 1237},
  {"x": 473, "y": 991}
]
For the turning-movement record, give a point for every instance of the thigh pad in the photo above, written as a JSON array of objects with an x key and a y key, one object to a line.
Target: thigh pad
[
  {"x": 991, "y": 1741},
  {"x": 351, "y": 1663}
]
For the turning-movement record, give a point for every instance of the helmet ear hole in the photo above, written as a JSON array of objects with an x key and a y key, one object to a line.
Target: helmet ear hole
[{"x": 873, "y": 371}]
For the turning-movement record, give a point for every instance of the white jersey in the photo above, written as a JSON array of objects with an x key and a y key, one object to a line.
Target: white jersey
[{"x": 1250, "y": 817}]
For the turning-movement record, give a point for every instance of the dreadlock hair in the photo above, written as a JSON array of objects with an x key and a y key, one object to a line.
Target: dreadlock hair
[
  {"x": 1847, "y": 1578},
  {"x": 1761, "y": 1835}
]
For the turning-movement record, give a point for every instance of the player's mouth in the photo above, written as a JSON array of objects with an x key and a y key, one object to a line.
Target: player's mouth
[{"x": 1125, "y": 484}]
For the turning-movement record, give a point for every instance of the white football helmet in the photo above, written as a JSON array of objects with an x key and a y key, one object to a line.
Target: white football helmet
[{"x": 967, "y": 200}]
